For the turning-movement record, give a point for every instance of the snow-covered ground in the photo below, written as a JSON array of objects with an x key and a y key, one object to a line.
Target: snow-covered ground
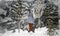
[{"x": 38, "y": 32}]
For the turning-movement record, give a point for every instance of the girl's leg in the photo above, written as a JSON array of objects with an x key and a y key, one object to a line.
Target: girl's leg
[{"x": 30, "y": 27}]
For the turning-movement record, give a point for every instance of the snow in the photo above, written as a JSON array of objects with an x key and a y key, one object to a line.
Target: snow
[
  {"x": 6, "y": 19},
  {"x": 38, "y": 32},
  {"x": 28, "y": 0},
  {"x": 58, "y": 32},
  {"x": 2, "y": 11}
]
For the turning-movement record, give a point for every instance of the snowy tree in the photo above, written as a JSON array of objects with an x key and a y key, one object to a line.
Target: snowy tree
[{"x": 50, "y": 16}]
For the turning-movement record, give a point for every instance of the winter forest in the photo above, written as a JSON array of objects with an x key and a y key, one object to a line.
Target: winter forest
[{"x": 29, "y": 17}]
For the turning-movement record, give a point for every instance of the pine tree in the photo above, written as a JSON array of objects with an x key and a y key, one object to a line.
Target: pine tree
[
  {"x": 16, "y": 12},
  {"x": 51, "y": 17}
]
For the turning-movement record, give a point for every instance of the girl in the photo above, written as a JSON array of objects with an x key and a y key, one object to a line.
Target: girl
[{"x": 30, "y": 22}]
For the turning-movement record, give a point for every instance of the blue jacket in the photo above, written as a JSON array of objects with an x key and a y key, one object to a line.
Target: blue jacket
[{"x": 30, "y": 18}]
